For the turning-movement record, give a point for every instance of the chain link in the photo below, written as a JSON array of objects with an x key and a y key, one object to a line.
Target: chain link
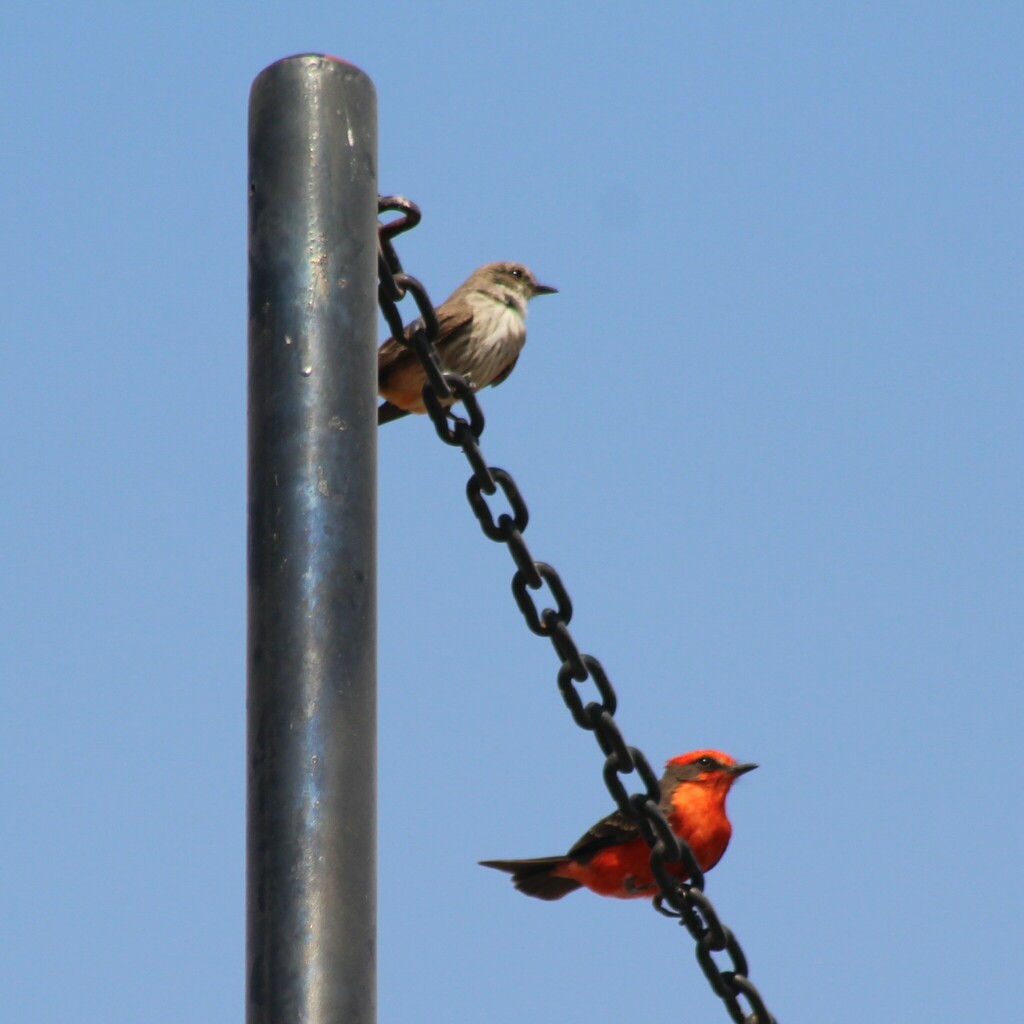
[{"x": 684, "y": 901}]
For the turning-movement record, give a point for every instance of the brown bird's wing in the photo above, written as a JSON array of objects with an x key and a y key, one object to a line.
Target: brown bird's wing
[
  {"x": 614, "y": 830},
  {"x": 449, "y": 323},
  {"x": 390, "y": 353},
  {"x": 453, "y": 321}
]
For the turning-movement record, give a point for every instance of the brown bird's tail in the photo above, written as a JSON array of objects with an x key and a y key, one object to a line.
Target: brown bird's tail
[
  {"x": 386, "y": 412},
  {"x": 534, "y": 877}
]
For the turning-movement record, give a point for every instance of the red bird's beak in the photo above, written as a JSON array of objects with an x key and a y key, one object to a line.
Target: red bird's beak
[{"x": 741, "y": 769}]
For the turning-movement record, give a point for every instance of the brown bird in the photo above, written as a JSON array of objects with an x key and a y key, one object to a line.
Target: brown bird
[
  {"x": 613, "y": 859},
  {"x": 481, "y": 331}
]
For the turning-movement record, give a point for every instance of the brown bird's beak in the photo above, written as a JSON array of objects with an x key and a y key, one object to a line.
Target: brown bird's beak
[
  {"x": 543, "y": 289},
  {"x": 742, "y": 769}
]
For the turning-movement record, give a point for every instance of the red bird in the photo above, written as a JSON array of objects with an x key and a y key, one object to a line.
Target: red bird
[{"x": 612, "y": 858}]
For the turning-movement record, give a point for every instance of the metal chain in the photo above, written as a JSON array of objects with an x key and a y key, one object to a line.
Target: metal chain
[{"x": 684, "y": 901}]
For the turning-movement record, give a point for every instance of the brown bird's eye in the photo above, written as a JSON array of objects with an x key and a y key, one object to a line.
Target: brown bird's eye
[{"x": 517, "y": 272}]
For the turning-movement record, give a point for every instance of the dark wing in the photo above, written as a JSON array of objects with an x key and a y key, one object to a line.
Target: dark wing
[
  {"x": 619, "y": 828},
  {"x": 614, "y": 830}
]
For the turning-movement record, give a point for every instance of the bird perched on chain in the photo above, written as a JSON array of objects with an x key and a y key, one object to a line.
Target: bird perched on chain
[
  {"x": 481, "y": 331},
  {"x": 613, "y": 859}
]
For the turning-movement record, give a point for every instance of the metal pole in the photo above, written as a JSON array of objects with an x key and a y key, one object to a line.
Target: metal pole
[{"x": 311, "y": 859}]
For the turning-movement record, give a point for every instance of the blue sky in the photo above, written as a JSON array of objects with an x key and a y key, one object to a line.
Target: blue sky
[{"x": 769, "y": 432}]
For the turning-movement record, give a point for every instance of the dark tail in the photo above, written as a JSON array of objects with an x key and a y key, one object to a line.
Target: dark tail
[
  {"x": 534, "y": 877},
  {"x": 386, "y": 412}
]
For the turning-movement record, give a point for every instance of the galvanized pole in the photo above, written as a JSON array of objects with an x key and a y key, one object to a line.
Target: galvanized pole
[{"x": 311, "y": 859}]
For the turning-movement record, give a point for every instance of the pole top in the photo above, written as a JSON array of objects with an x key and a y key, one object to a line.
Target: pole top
[{"x": 313, "y": 59}]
